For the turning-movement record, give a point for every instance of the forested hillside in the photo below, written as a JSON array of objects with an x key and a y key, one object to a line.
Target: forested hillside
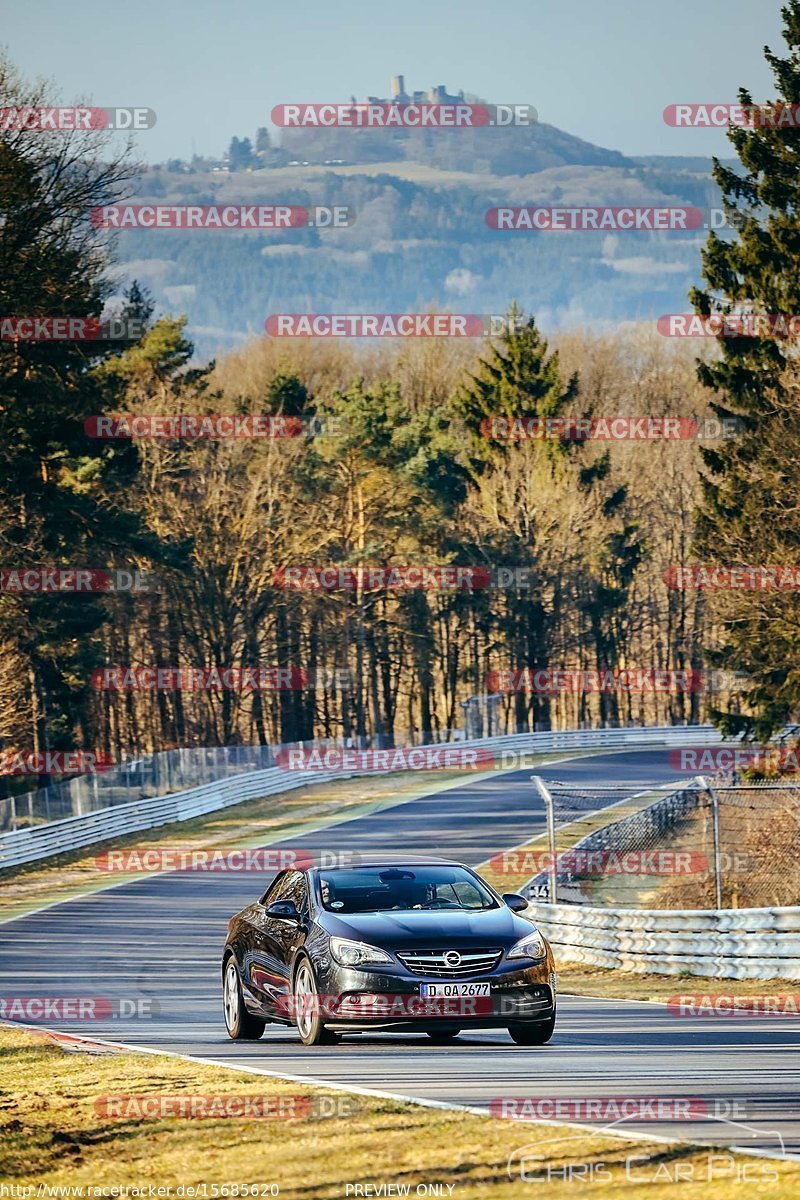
[{"x": 419, "y": 238}]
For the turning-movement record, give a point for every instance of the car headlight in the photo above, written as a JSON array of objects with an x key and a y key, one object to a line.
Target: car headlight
[
  {"x": 356, "y": 954},
  {"x": 531, "y": 946}
]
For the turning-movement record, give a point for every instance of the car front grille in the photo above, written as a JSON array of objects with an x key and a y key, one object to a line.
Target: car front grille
[{"x": 433, "y": 964}]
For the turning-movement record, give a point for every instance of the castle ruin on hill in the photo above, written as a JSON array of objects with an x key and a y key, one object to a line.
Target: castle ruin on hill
[{"x": 434, "y": 95}]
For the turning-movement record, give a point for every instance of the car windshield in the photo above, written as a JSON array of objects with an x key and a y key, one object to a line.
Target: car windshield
[{"x": 396, "y": 889}]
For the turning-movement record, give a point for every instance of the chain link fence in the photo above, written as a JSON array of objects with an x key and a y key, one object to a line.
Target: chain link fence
[
  {"x": 148, "y": 776},
  {"x": 141, "y": 779},
  {"x": 707, "y": 845},
  {"x": 169, "y": 771}
]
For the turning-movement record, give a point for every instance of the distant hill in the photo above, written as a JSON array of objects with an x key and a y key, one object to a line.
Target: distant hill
[
  {"x": 518, "y": 151},
  {"x": 420, "y": 238}
]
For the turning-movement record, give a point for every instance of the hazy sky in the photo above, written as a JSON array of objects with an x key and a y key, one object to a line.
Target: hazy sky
[{"x": 601, "y": 69}]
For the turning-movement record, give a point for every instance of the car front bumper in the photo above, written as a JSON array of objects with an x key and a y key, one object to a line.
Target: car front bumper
[{"x": 358, "y": 998}]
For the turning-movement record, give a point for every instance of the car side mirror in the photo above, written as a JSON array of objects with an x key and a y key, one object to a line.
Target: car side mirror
[
  {"x": 284, "y": 910},
  {"x": 514, "y": 902}
]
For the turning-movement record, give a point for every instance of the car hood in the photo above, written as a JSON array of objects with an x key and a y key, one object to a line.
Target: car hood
[{"x": 428, "y": 929}]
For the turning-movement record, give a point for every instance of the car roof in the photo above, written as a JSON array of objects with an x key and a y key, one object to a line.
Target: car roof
[{"x": 408, "y": 860}]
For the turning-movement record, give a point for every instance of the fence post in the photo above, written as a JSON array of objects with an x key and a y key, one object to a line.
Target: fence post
[
  {"x": 706, "y": 786},
  {"x": 551, "y": 836}
]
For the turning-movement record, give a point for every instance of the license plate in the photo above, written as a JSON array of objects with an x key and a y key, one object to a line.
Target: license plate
[{"x": 435, "y": 991}]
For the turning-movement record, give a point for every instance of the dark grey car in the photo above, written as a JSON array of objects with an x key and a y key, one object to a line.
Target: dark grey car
[{"x": 409, "y": 945}]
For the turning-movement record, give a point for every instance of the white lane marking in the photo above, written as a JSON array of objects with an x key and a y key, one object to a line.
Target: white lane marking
[{"x": 423, "y": 1102}]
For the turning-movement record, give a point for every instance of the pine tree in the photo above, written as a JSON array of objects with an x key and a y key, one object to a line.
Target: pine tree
[
  {"x": 748, "y": 481},
  {"x": 517, "y": 378},
  {"x": 62, "y": 495},
  {"x": 139, "y": 304}
]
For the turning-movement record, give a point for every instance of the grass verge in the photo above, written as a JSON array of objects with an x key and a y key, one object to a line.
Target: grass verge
[
  {"x": 54, "y": 1131},
  {"x": 624, "y": 985}
]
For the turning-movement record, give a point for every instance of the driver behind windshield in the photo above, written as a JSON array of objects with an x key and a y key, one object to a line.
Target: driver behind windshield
[{"x": 373, "y": 890}]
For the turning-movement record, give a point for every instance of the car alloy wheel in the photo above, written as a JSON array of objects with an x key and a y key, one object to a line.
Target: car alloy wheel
[
  {"x": 307, "y": 1010},
  {"x": 241, "y": 1026}
]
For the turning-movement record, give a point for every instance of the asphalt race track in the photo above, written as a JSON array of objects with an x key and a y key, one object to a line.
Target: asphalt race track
[{"x": 160, "y": 938}]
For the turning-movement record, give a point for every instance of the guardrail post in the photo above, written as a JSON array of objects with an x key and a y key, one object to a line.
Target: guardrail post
[
  {"x": 551, "y": 836},
  {"x": 707, "y": 788}
]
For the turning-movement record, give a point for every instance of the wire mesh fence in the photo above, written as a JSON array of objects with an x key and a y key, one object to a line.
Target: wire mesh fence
[
  {"x": 144, "y": 777},
  {"x": 759, "y": 839},
  {"x": 706, "y": 845},
  {"x": 138, "y": 779},
  {"x": 150, "y": 775}
]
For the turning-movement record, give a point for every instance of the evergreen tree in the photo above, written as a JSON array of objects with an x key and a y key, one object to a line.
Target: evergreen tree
[
  {"x": 748, "y": 480},
  {"x": 517, "y": 378},
  {"x": 139, "y": 304},
  {"x": 240, "y": 154}
]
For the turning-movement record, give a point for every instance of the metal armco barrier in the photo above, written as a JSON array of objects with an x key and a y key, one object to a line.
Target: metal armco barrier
[
  {"x": 732, "y": 943},
  {"x": 59, "y": 837},
  {"x": 73, "y": 833}
]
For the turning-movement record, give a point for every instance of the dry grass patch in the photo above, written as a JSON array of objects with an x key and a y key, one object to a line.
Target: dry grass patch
[{"x": 52, "y": 1133}]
